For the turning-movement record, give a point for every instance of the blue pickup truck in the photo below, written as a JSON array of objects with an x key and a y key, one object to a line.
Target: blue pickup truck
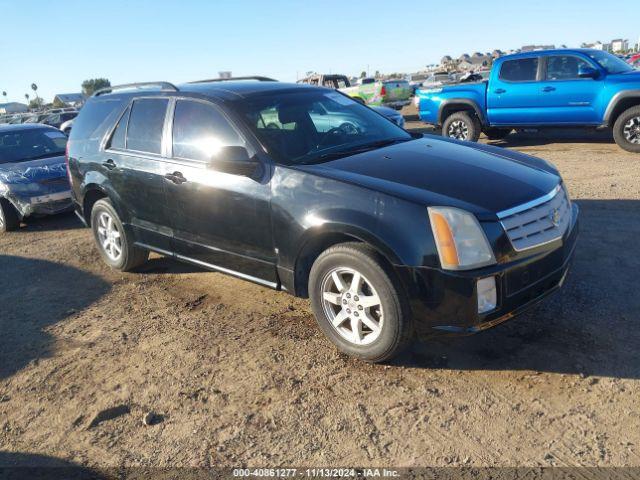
[{"x": 550, "y": 88}]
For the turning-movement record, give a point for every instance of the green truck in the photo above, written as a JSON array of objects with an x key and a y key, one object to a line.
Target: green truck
[{"x": 388, "y": 93}]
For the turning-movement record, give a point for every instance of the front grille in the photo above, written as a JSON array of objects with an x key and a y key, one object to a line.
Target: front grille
[{"x": 538, "y": 222}]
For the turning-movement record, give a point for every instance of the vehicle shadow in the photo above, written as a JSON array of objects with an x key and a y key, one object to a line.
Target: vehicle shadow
[
  {"x": 30, "y": 291},
  {"x": 590, "y": 327},
  {"x": 61, "y": 221},
  {"x": 161, "y": 264},
  {"x": 20, "y": 465},
  {"x": 557, "y": 136}
]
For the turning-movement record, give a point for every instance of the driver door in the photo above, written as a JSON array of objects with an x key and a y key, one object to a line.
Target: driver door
[{"x": 220, "y": 220}]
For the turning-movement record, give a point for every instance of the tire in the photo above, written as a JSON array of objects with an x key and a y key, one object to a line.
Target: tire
[
  {"x": 120, "y": 252},
  {"x": 626, "y": 130},
  {"x": 391, "y": 315},
  {"x": 462, "y": 126},
  {"x": 497, "y": 133},
  {"x": 9, "y": 219}
]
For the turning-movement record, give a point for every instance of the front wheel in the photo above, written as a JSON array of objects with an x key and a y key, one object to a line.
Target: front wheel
[
  {"x": 462, "y": 126},
  {"x": 626, "y": 130},
  {"x": 115, "y": 246},
  {"x": 357, "y": 305},
  {"x": 9, "y": 219}
]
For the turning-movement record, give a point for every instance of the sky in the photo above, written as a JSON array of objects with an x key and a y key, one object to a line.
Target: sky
[{"x": 58, "y": 44}]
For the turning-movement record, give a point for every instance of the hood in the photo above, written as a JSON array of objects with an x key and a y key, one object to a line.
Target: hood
[
  {"x": 632, "y": 76},
  {"x": 33, "y": 171},
  {"x": 435, "y": 171}
]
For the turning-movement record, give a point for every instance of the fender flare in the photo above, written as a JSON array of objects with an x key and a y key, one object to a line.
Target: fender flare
[
  {"x": 615, "y": 100},
  {"x": 461, "y": 101}
]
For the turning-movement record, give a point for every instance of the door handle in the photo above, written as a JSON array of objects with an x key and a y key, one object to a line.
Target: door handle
[
  {"x": 548, "y": 89},
  {"x": 175, "y": 177},
  {"x": 500, "y": 90},
  {"x": 109, "y": 164}
]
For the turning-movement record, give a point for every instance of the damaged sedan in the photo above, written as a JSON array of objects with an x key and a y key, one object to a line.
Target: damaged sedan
[{"x": 33, "y": 175}]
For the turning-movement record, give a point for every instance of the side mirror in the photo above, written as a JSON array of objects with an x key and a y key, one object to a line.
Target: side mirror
[
  {"x": 234, "y": 160},
  {"x": 588, "y": 72}
]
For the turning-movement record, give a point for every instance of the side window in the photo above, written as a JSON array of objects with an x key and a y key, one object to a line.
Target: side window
[
  {"x": 564, "y": 67},
  {"x": 522, "y": 70},
  {"x": 199, "y": 130},
  {"x": 117, "y": 139},
  {"x": 146, "y": 121}
]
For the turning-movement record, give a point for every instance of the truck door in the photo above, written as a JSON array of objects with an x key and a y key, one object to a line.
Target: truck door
[
  {"x": 564, "y": 97},
  {"x": 513, "y": 95}
]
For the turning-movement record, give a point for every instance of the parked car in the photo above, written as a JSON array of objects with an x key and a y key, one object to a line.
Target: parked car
[
  {"x": 390, "y": 234},
  {"x": 67, "y": 126},
  {"x": 57, "y": 119},
  {"x": 388, "y": 93},
  {"x": 552, "y": 88},
  {"x": 390, "y": 113},
  {"x": 36, "y": 117},
  {"x": 33, "y": 176}
]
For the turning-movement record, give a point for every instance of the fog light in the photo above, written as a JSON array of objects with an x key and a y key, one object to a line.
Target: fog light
[{"x": 487, "y": 295}]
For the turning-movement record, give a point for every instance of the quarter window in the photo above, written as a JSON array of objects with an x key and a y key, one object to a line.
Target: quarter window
[
  {"x": 200, "y": 130},
  {"x": 117, "y": 139},
  {"x": 146, "y": 121},
  {"x": 522, "y": 70},
  {"x": 564, "y": 67}
]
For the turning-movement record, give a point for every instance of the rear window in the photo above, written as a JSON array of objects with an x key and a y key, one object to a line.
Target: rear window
[
  {"x": 144, "y": 133},
  {"x": 522, "y": 70},
  {"x": 95, "y": 112}
]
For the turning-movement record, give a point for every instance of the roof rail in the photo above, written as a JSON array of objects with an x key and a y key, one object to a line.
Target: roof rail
[
  {"x": 162, "y": 85},
  {"x": 258, "y": 78}
]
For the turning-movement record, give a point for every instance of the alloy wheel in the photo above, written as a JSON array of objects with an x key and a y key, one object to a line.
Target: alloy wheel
[
  {"x": 352, "y": 306},
  {"x": 109, "y": 236},
  {"x": 631, "y": 130},
  {"x": 458, "y": 130},
  {"x": 1, "y": 220}
]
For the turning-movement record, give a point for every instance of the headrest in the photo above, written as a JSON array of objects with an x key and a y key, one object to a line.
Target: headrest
[{"x": 291, "y": 113}]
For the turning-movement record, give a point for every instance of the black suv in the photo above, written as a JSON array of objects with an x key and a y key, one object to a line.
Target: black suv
[{"x": 300, "y": 188}]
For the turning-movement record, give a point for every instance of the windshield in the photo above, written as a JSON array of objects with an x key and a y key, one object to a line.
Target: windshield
[
  {"x": 31, "y": 144},
  {"x": 312, "y": 126},
  {"x": 610, "y": 63}
]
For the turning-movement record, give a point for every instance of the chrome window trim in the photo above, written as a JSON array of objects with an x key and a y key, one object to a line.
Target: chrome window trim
[{"x": 531, "y": 204}]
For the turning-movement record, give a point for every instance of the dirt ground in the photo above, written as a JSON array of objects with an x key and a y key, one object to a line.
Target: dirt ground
[{"x": 237, "y": 374}]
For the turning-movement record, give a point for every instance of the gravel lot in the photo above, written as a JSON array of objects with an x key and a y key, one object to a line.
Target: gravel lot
[{"x": 240, "y": 375}]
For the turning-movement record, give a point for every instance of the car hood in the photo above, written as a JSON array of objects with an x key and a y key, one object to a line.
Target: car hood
[
  {"x": 386, "y": 111},
  {"x": 32, "y": 171},
  {"x": 434, "y": 171}
]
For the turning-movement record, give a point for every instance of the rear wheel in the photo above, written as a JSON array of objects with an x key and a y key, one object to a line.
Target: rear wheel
[
  {"x": 462, "y": 126},
  {"x": 626, "y": 130},
  {"x": 9, "y": 219},
  {"x": 497, "y": 133},
  {"x": 115, "y": 246},
  {"x": 357, "y": 304}
]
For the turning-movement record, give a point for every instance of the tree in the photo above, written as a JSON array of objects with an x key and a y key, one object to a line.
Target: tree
[
  {"x": 377, "y": 75},
  {"x": 57, "y": 103},
  {"x": 35, "y": 104},
  {"x": 93, "y": 85},
  {"x": 363, "y": 74}
]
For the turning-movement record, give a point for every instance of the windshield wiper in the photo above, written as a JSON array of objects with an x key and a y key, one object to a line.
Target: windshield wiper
[{"x": 367, "y": 147}]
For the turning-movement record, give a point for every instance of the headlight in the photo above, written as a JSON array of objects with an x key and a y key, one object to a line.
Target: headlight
[{"x": 461, "y": 242}]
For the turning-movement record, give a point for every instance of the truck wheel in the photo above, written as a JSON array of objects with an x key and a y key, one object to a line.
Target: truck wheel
[
  {"x": 626, "y": 130},
  {"x": 9, "y": 219},
  {"x": 462, "y": 126},
  {"x": 357, "y": 304},
  {"x": 497, "y": 133},
  {"x": 115, "y": 246}
]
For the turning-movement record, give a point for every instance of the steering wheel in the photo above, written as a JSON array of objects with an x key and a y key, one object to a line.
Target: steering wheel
[{"x": 345, "y": 129}]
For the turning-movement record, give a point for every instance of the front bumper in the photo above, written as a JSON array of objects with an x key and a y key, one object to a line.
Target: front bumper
[
  {"x": 44, "y": 204},
  {"x": 445, "y": 302}
]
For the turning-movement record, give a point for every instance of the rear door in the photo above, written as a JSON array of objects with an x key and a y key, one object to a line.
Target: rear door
[
  {"x": 566, "y": 98},
  {"x": 133, "y": 162},
  {"x": 513, "y": 95},
  {"x": 219, "y": 219}
]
